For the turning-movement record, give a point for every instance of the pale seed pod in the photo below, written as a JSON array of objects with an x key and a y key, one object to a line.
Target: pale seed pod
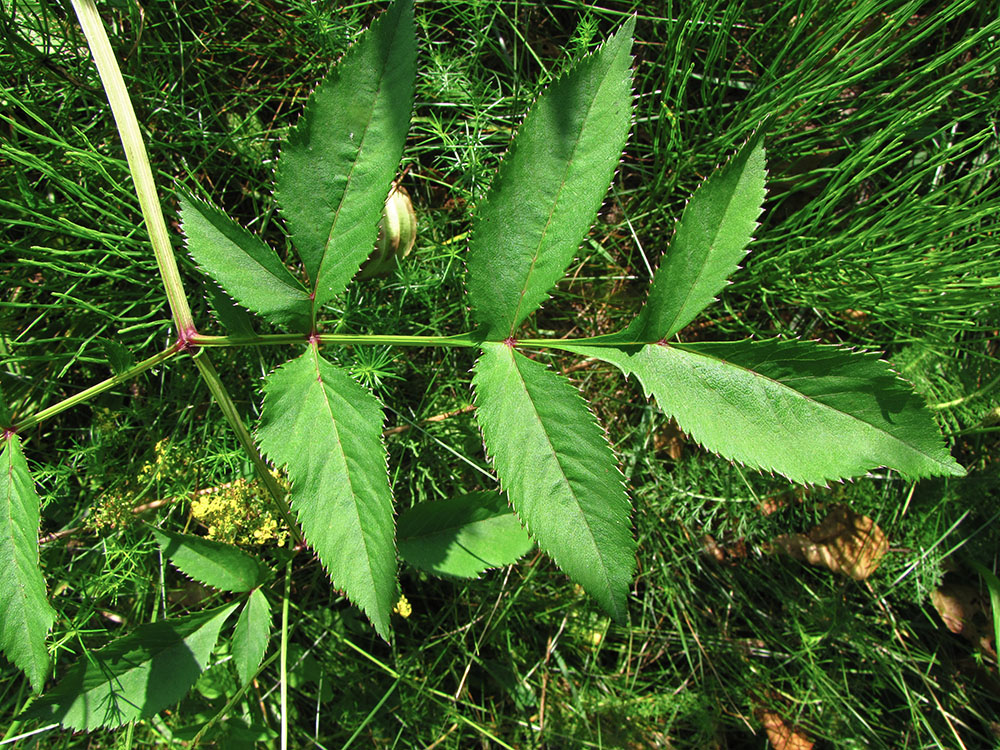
[{"x": 397, "y": 231}]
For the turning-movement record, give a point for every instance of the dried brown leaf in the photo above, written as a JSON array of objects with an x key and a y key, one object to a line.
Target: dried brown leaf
[{"x": 845, "y": 542}]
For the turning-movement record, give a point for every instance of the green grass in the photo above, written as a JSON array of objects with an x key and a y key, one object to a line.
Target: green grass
[{"x": 880, "y": 230}]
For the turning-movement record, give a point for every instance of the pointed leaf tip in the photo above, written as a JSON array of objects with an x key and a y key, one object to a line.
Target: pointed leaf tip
[
  {"x": 549, "y": 187},
  {"x": 327, "y": 430},
  {"x": 557, "y": 467},
  {"x": 335, "y": 170}
]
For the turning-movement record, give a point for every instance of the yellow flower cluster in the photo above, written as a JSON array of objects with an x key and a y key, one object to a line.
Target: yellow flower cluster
[
  {"x": 403, "y": 607},
  {"x": 239, "y": 512}
]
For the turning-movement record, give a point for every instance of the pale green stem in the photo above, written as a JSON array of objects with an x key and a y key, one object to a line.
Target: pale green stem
[
  {"x": 221, "y": 395},
  {"x": 463, "y": 339},
  {"x": 138, "y": 162},
  {"x": 104, "y": 385},
  {"x": 284, "y": 656}
]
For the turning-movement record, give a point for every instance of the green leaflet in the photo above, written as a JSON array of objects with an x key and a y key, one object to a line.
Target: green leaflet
[
  {"x": 136, "y": 676},
  {"x": 251, "y": 635},
  {"x": 244, "y": 266},
  {"x": 549, "y": 187},
  {"x": 221, "y": 566},
  {"x": 808, "y": 411},
  {"x": 708, "y": 244},
  {"x": 556, "y": 466},
  {"x": 461, "y": 536},
  {"x": 335, "y": 171},
  {"x": 25, "y": 613},
  {"x": 118, "y": 356},
  {"x": 327, "y": 430}
]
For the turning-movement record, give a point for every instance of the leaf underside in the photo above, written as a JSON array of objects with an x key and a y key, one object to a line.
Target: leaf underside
[
  {"x": 251, "y": 635},
  {"x": 461, "y": 536},
  {"x": 221, "y": 566},
  {"x": 246, "y": 268},
  {"x": 25, "y": 613},
  {"x": 556, "y": 466},
  {"x": 327, "y": 430},
  {"x": 708, "y": 244},
  {"x": 136, "y": 676},
  {"x": 810, "y": 412},
  {"x": 336, "y": 168},
  {"x": 549, "y": 187}
]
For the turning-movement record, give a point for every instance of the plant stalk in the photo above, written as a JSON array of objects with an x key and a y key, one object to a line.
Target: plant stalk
[
  {"x": 463, "y": 339},
  {"x": 138, "y": 161},
  {"x": 104, "y": 385},
  {"x": 221, "y": 395}
]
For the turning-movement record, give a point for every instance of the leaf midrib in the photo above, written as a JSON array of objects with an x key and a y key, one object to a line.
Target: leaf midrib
[
  {"x": 347, "y": 471},
  {"x": 582, "y": 515},
  {"x": 562, "y": 184}
]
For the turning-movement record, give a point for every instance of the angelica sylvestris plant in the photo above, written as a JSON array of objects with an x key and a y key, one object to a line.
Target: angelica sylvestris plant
[{"x": 812, "y": 413}]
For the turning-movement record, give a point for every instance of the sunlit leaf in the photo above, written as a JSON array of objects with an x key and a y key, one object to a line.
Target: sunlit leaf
[
  {"x": 555, "y": 464},
  {"x": 25, "y": 613}
]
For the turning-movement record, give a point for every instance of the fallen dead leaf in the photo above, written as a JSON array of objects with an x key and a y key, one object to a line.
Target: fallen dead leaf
[
  {"x": 965, "y": 611},
  {"x": 783, "y": 736},
  {"x": 845, "y": 542}
]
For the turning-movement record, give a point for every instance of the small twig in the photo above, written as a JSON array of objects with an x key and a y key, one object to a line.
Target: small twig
[{"x": 436, "y": 418}]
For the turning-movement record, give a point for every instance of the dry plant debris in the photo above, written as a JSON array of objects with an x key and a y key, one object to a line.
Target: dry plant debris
[{"x": 845, "y": 542}]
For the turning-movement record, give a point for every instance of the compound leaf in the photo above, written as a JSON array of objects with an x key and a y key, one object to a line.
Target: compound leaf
[
  {"x": 136, "y": 676},
  {"x": 244, "y": 266},
  {"x": 251, "y": 635},
  {"x": 221, "y": 566},
  {"x": 708, "y": 244},
  {"x": 461, "y": 536},
  {"x": 549, "y": 187},
  {"x": 335, "y": 171},
  {"x": 811, "y": 412},
  {"x": 25, "y": 613},
  {"x": 327, "y": 430},
  {"x": 555, "y": 463}
]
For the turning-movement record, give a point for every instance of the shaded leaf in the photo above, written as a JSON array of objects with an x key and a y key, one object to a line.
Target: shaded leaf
[
  {"x": 253, "y": 630},
  {"x": 221, "y": 566},
  {"x": 118, "y": 355},
  {"x": 25, "y": 613},
  {"x": 461, "y": 536},
  {"x": 136, "y": 676},
  {"x": 244, "y": 266},
  {"x": 336, "y": 168},
  {"x": 709, "y": 242},
  {"x": 327, "y": 430},
  {"x": 549, "y": 187},
  {"x": 555, "y": 464},
  {"x": 808, "y": 411},
  {"x": 234, "y": 319}
]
